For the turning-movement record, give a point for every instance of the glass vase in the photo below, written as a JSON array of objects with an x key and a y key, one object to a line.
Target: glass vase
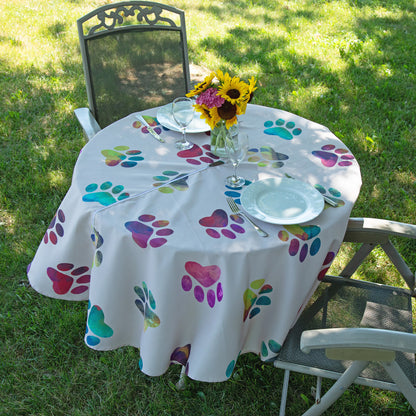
[{"x": 218, "y": 136}]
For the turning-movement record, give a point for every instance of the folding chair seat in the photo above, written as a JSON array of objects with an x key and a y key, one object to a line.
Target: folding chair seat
[
  {"x": 135, "y": 56},
  {"x": 347, "y": 327}
]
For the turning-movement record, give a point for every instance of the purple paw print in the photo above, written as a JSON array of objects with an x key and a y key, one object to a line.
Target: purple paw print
[
  {"x": 219, "y": 219},
  {"x": 330, "y": 156},
  {"x": 206, "y": 278},
  {"x": 197, "y": 155},
  {"x": 143, "y": 233},
  {"x": 55, "y": 228},
  {"x": 64, "y": 277}
]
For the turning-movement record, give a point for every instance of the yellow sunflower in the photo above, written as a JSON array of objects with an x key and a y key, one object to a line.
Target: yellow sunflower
[
  {"x": 205, "y": 114},
  {"x": 233, "y": 90},
  {"x": 222, "y": 77},
  {"x": 227, "y": 112},
  {"x": 202, "y": 86}
]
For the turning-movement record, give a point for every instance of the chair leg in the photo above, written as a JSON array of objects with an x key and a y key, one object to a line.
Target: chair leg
[
  {"x": 401, "y": 380},
  {"x": 337, "y": 389},
  {"x": 180, "y": 385},
  {"x": 284, "y": 393},
  {"x": 357, "y": 259}
]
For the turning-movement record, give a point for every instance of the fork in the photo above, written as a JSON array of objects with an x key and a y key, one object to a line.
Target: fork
[{"x": 234, "y": 208}]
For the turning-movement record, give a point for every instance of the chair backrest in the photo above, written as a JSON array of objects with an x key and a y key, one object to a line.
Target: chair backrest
[{"x": 135, "y": 56}]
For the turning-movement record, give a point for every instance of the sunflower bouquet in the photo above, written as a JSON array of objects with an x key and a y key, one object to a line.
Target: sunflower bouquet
[{"x": 220, "y": 99}]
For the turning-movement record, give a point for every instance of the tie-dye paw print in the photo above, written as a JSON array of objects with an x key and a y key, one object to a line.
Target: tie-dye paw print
[
  {"x": 143, "y": 233},
  {"x": 152, "y": 122},
  {"x": 332, "y": 194},
  {"x": 302, "y": 233},
  {"x": 331, "y": 156},
  {"x": 67, "y": 278},
  {"x": 106, "y": 194},
  {"x": 235, "y": 193},
  {"x": 55, "y": 228},
  {"x": 181, "y": 355},
  {"x": 207, "y": 277},
  {"x": 270, "y": 350},
  {"x": 123, "y": 156},
  {"x": 284, "y": 131},
  {"x": 96, "y": 327},
  {"x": 146, "y": 304},
  {"x": 326, "y": 264},
  {"x": 197, "y": 155},
  {"x": 254, "y": 301},
  {"x": 98, "y": 241},
  {"x": 219, "y": 219},
  {"x": 266, "y": 156},
  {"x": 179, "y": 181}
]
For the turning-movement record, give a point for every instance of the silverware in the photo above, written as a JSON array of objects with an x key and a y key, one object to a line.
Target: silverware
[
  {"x": 150, "y": 128},
  {"x": 234, "y": 208},
  {"x": 328, "y": 200}
]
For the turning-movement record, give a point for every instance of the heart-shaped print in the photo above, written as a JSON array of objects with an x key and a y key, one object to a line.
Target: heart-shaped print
[
  {"x": 205, "y": 275},
  {"x": 194, "y": 151},
  {"x": 112, "y": 158},
  {"x": 217, "y": 219}
]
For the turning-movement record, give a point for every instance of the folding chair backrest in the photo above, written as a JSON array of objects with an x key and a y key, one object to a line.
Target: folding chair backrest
[{"x": 135, "y": 56}]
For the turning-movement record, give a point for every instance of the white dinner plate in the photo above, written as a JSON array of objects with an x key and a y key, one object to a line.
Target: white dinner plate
[
  {"x": 164, "y": 117},
  {"x": 282, "y": 201}
]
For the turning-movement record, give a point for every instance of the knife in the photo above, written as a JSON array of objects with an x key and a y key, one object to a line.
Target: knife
[{"x": 151, "y": 130}]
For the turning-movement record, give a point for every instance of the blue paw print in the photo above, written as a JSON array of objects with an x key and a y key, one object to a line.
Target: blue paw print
[
  {"x": 279, "y": 128},
  {"x": 332, "y": 194},
  {"x": 266, "y": 156},
  {"x": 106, "y": 194},
  {"x": 235, "y": 193}
]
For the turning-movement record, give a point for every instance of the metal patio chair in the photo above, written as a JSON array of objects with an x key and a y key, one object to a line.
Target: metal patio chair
[
  {"x": 355, "y": 331},
  {"x": 135, "y": 56}
]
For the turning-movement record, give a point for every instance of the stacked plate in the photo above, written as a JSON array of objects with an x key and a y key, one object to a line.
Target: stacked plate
[{"x": 165, "y": 118}]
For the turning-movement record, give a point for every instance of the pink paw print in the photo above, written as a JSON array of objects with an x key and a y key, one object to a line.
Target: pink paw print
[
  {"x": 206, "y": 280},
  {"x": 219, "y": 219},
  {"x": 143, "y": 233},
  {"x": 326, "y": 265},
  {"x": 64, "y": 277},
  {"x": 197, "y": 155},
  {"x": 330, "y": 156},
  {"x": 55, "y": 228}
]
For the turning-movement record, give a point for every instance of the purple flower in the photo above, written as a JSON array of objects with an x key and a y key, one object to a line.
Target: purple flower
[{"x": 210, "y": 98}]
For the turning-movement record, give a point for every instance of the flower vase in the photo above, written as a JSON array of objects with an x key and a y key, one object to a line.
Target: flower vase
[{"x": 218, "y": 136}]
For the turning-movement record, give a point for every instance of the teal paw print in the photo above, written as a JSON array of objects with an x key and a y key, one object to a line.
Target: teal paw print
[
  {"x": 147, "y": 304},
  {"x": 270, "y": 350},
  {"x": 332, "y": 194},
  {"x": 98, "y": 241},
  {"x": 96, "y": 327},
  {"x": 266, "y": 156},
  {"x": 122, "y": 155},
  {"x": 279, "y": 128},
  {"x": 179, "y": 183},
  {"x": 235, "y": 193},
  {"x": 252, "y": 301},
  {"x": 106, "y": 194}
]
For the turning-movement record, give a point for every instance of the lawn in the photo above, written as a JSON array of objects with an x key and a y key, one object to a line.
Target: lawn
[{"x": 347, "y": 64}]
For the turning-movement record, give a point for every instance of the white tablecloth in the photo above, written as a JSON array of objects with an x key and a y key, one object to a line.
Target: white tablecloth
[{"x": 164, "y": 264}]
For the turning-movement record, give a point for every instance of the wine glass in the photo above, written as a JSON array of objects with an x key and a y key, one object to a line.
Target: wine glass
[
  {"x": 236, "y": 148},
  {"x": 183, "y": 113}
]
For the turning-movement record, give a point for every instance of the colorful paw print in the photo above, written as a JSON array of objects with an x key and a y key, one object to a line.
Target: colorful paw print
[
  {"x": 146, "y": 304},
  {"x": 180, "y": 355},
  {"x": 66, "y": 276},
  {"x": 219, "y": 219},
  {"x": 178, "y": 183},
  {"x": 284, "y": 131},
  {"x": 301, "y": 233},
  {"x": 254, "y": 301},
  {"x": 330, "y": 156},
  {"x": 235, "y": 193},
  {"x": 152, "y": 121},
  {"x": 55, "y": 228},
  {"x": 207, "y": 277},
  {"x": 106, "y": 194},
  {"x": 326, "y": 264},
  {"x": 332, "y": 194},
  {"x": 98, "y": 241},
  {"x": 96, "y": 326},
  {"x": 143, "y": 233},
  {"x": 266, "y": 156},
  {"x": 270, "y": 349},
  {"x": 123, "y": 156},
  {"x": 197, "y": 155}
]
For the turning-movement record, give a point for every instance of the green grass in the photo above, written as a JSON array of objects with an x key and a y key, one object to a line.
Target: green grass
[{"x": 346, "y": 64}]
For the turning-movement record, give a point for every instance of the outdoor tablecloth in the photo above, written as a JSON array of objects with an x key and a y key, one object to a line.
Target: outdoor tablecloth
[{"x": 162, "y": 261}]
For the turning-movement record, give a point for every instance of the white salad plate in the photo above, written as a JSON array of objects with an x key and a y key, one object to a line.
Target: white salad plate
[
  {"x": 282, "y": 201},
  {"x": 165, "y": 118}
]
